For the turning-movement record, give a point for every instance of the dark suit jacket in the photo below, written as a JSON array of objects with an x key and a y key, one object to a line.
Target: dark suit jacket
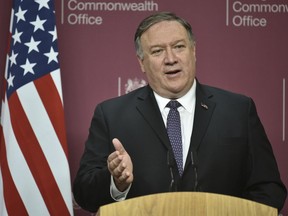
[{"x": 231, "y": 152}]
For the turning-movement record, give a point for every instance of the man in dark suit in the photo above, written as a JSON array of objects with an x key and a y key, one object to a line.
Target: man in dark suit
[{"x": 224, "y": 148}]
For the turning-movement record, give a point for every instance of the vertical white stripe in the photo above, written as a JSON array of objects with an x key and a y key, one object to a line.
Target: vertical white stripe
[
  {"x": 6, "y": 68},
  {"x": 119, "y": 86},
  {"x": 47, "y": 138},
  {"x": 11, "y": 20},
  {"x": 57, "y": 80},
  {"x": 3, "y": 211},
  {"x": 7, "y": 57},
  {"x": 284, "y": 109},
  {"x": 227, "y": 12},
  {"x": 20, "y": 171}
]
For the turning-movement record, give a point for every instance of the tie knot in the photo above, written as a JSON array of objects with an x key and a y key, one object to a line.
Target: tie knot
[{"x": 173, "y": 104}]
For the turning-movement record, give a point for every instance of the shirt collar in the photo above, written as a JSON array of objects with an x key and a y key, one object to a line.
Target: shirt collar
[{"x": 186, "y": 101}]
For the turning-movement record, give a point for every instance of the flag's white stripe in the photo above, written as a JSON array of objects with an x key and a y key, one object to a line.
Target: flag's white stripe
[
  {"x": 20, "y": 171},
  {"x": 7, "y": 58},
  {"x": 2, "y": 112},
  {"x": 47, "y": 138},
  {"x": 57, "y": 80},
  {"x": 6, "y": 70},
  {"x": 3, "y": 211},
  {"x": 11, "y": 20}
]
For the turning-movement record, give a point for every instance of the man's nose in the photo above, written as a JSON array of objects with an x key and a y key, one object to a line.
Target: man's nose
[{"x": 170, "y": 57}]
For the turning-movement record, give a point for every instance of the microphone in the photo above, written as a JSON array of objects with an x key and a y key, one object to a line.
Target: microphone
[
  {"x": 171, "y": 164},
  {"x": 194, "y": 166}
]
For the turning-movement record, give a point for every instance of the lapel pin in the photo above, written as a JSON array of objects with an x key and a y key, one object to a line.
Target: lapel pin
[{"x": 204, "y": 106}]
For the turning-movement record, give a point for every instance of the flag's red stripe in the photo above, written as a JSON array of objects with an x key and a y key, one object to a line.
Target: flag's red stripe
[
  {"x": 13, "y": 201},
  {"x": 35, "y": 159},
  {"x": 4, "y": 85},
  {"x": 54, "y": 107},
  {"x": 9, "y": 42}
]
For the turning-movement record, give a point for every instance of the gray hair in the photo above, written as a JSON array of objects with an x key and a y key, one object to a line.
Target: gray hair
[{"x": 156, "y": 18}]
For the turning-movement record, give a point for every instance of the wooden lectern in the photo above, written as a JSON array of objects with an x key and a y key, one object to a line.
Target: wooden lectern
[{"x": 187, "y": 203}]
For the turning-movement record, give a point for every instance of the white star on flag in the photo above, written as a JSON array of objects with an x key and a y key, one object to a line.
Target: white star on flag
[
  {"x": 20, "y": 14},
  {"x": 33, "y": 45},
  {"x": 54, "y": 34},
  {"x": 38, "y": 24},
  {"x": 42, "y": 3},
  {"x": 28, "y": 67},
  {"x": 10, "y": 80},
  {"x": 52, "y": 55},
  {"x": 12, "y": 58},
  {"x": 16, "y": 37}
]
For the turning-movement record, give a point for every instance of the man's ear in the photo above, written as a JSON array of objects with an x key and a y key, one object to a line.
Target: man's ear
[{"x": 141, "y": 64}]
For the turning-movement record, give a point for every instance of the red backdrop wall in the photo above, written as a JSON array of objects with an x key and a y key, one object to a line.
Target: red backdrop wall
[{"x": 241, "y": 46}]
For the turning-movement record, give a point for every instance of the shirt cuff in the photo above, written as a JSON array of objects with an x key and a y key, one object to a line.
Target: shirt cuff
[{"x": 116, "y": 194}]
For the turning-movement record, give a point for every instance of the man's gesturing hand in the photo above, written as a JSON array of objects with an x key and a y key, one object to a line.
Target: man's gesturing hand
[{"x": 120, "y": 166}]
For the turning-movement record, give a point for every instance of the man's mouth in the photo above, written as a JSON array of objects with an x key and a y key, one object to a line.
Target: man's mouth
[{"x": 172, "y": 72}]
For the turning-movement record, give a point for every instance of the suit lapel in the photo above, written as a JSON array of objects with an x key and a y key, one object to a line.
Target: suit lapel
[
  {"x": 148, "y": 108},
  {"x": 203, "y": 113}
]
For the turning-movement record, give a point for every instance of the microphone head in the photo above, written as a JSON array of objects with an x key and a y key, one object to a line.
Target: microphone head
[{"x": 170, "y": 158}]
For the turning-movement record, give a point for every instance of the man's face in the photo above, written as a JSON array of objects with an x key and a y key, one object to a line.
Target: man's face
[{"x": 168, "y": 59}]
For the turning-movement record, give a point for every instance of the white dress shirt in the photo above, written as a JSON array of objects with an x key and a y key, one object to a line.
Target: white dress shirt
[{"x": 186, "y": 111}]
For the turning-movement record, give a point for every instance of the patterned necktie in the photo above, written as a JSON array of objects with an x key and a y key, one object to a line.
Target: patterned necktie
[{"x": 174, "y": 133}]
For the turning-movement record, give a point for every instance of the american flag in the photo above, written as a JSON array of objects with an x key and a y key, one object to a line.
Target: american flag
[{"x": 34, "y": 169}]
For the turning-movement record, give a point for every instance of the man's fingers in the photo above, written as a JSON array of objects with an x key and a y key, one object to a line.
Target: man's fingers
[
  {"x": 118, "y": 146},
  {"x": 123, "y": 177},
  {"x": 112, "y": 156},
  {"x": 118, "y": 170},
  {"x": 120, "y": 165}
]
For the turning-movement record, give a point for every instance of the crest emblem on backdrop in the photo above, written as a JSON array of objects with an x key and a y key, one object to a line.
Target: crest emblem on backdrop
[{"x": 133, "y": 84}]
